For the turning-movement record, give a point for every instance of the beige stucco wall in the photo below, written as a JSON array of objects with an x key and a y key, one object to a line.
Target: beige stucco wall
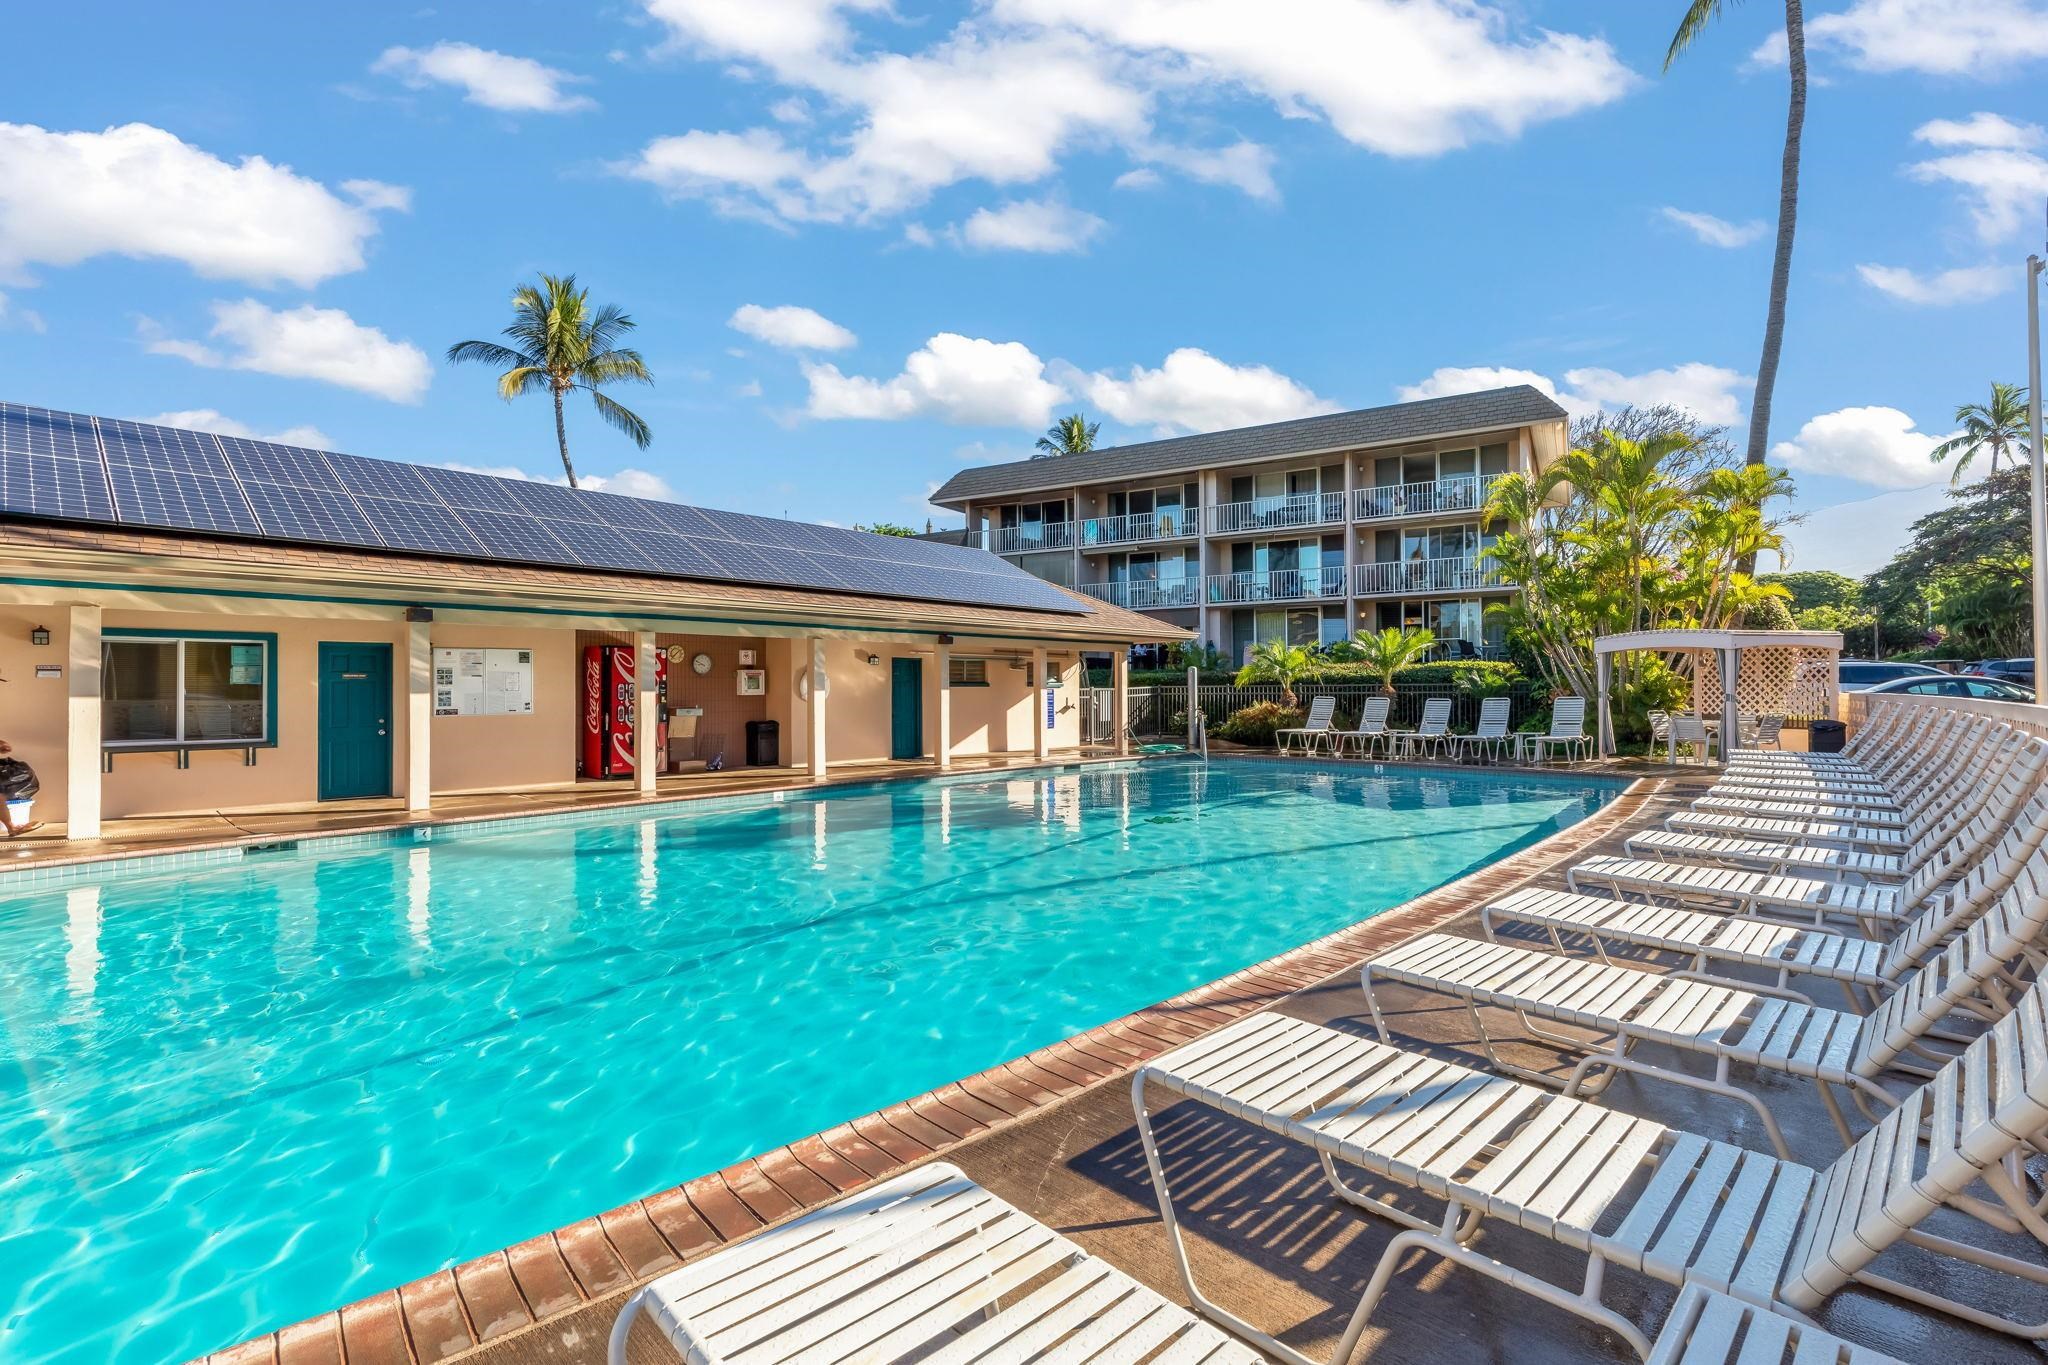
[
  {"x": 32, "y": 709},
  {"x": 503, "y": 753}
]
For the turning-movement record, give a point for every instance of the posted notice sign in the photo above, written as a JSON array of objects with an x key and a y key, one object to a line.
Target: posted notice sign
[{"x": 483, "y": 682}]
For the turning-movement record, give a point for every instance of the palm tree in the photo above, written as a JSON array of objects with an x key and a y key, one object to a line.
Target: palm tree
[
  {"x": 1698, "y": 14},
  {"x": 1390, "y": 651},
  {"x": 560, "y": 344},
  {"x": 1071, "y": 435},
  {"x": 1276, "y": 661},
  {"x": 1999, "y": 426}
]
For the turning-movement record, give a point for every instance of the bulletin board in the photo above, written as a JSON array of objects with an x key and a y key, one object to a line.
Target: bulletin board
[{"x": 483, "y": 682}]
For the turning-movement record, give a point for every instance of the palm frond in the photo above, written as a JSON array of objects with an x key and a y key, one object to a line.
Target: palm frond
[
  {"x": 613, "y": 367},
  {"x": 488, "y": 353},
  {"x": 522, "y": 380},
  {"x": 625, "y": 420},
  {"x": 1698, "y": 15}
]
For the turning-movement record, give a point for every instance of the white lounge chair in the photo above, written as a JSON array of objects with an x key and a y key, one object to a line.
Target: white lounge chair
[
  {"x": 1310, "y": 732},
  {"x": 1490, "y": 736},
  {"x": 1707, "y": 1327},
  {"x": 1369, "y": 732},
  {"x": 1625, "y": 1191},
  {"x": 1433, "y": 735},
  {"x": 1688, "y": 730},
  {"x": 928, "y": 1267},
  {"x": 1567, "y": 731}
]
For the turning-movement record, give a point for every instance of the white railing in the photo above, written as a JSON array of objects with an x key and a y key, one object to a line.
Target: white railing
[
  {"x": 2028, "y": 716},
  {"x": 1269, "y": 514},
  {"x": 1276, "y": 585},
  {"x": 1424, "y": 575},
  {"x": 1018, "y": 540},
  {"x": 1433, "y": 498},
  {"x": 1158, "y": 595},
  {"x": 1136, "y": 528}
]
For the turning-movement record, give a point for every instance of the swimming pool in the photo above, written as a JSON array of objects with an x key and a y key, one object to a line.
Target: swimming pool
[{"x": 234, "y": 1097}]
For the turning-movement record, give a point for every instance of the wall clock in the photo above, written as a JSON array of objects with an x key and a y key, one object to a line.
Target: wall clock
[{"x": 701, "y": 664}]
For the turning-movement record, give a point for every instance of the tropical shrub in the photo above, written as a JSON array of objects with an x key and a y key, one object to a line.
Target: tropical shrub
[
  {"x": 1254, "y": 725},
  {"x": 1276, "y": 661},
  {"x": 1387, "y": 653}
]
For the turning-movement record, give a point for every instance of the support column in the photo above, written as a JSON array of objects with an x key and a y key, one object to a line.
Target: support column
[
  {"x": 1603, "y": 667},
  {"x": 1731, "y": 720},
  {"x": 419, "y": 715},
  {"x": 1041, "y": 727},
  {"x": 815, "y": 661},
  {"x": 646, "y": 712},
  {"x": 1120, "y": 683},
  {"x": 82, "y": 725},
  {"x": 942, "y": 708}
]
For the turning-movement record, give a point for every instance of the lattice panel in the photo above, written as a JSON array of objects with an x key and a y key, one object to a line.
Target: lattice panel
[{"x": 1773, "y": 681}]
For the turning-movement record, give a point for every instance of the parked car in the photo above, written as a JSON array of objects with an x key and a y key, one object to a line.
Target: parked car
[
  {"x": 1982, "y": 689},
  {"x": 2008, "y": 670},
  {"x": 1860, "y": 674}
]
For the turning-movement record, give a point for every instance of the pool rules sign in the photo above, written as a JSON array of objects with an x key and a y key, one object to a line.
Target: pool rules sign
[
  {"x": 1052, "y": 706},
  {"x": 483, "y": 682}
]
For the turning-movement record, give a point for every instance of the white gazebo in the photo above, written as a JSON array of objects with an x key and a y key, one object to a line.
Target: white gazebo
[{"x": 1788, "y": 672}]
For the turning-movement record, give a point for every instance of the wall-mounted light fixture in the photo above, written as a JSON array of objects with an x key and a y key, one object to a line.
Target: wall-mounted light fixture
[
  {"x": 39, "y": 636},
  {"x": 945, "y": 639},
  {"x": 874, "y": 659}
]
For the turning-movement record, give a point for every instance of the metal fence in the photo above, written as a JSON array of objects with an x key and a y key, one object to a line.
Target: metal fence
[{"x": 1162, "y": 710}]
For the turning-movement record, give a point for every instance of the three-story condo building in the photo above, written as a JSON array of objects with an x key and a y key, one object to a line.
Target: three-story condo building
[{"x": 1310, "y": 531}]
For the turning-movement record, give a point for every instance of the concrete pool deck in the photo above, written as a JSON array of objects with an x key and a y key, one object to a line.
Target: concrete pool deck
[{"x": 552, "y": 1297}]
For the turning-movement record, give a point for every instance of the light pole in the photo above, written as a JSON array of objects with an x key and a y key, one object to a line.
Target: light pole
[{"x": 2035, "y": 525}]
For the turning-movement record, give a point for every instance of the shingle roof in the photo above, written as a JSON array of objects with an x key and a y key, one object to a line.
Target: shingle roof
[{"x": 1509, "y": 407}]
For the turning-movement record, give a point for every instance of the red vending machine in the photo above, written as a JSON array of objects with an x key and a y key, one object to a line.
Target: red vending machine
[{"x": 609, "y": 696}]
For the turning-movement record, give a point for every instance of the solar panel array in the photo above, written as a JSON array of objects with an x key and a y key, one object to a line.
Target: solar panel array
[{"x": 67, "y": 467}]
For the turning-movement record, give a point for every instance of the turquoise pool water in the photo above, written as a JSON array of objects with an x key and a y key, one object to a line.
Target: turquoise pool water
[{"x": 235, "y": 1097}]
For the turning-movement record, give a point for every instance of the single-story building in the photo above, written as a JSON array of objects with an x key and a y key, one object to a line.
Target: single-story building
[{"x": 192, "y": 623}]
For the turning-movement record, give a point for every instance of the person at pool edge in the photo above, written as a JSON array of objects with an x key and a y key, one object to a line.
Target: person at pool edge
[{"x": 17, "y": 783}]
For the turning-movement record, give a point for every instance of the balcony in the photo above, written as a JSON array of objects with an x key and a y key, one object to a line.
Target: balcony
[
  {"x": 1024, "y": 540},
  {"x": 1276, "y": 514},
  {"x": 1135, "y": 529},
  {"x": 1433, "y": 498},
  {"x": 1157, "y": 595},
  {"x": 1423, "y": 575},
  {"x": 1275, "y": 585}
]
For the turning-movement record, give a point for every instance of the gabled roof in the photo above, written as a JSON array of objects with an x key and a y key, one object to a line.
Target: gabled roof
[{"x": 1492, "y": 409}]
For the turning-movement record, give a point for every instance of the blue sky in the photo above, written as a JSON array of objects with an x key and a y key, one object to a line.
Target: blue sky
[{"x": 1170, "y": 214}]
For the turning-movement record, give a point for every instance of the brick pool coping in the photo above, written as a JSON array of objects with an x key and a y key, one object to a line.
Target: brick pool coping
[{"x": 452, "y": 1313}]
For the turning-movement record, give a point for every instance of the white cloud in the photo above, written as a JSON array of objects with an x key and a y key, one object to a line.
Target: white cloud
[
  {"x": 1712, "y": 393},
  {"x": 211, "y": 419},
  {"x": 306, "y": 343},
  {"x": 750, "y": 389},
  {"x": 1996, "y": 175},
  {"x": 1858, "y": 538},
  {"x": 1965, "y": 284},
  {"x": 627, "y": 483},
  {"x": 1878, "y": 446},
  {"x": 1978, "y": 130},
  {"x": 1932, "y": 37},
  {"x": 27, "y": 319},
  {"x": 1716, "y": 231},
  {"x": 375, "y": 195},
  {"x": 917, "y": 234},
  {"x": 790, "y": 327},
  {"x": 964, "y": 380},
  {"x": 513, "y": 85},
  {"x": 1143, "y": 178},
  {"x": 791, "y": 110},
  {"x": 138, "y": 191},
  {"x": 1040, "y": 225},
  {"x": 1194, "y": 391},
  {"x": 1007, "y": 93}
]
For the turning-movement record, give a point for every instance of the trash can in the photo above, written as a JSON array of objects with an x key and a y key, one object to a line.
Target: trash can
[
  {"x": 764, "y": 744},
  {"x": 1825, "y": 737}
]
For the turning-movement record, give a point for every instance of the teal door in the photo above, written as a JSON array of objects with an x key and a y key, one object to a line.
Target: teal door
[
  {"x": 355, "y": 720},
  {"x": 906, "y": 709}
]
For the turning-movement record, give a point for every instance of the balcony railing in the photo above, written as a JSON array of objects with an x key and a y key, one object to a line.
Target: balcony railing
[
  {"x": 1276, "y": 585},
  {"x": 1272, "y": 514},
  {"x": 1136, "y": 528},
  {"x": 1423, "y": 575},
  {"x": 1433, "y": 498},
  {"x": 1019, "y": 540},
  {"x": 1160, "y": 595}
]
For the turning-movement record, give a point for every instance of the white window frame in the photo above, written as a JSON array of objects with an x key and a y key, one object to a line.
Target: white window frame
[{"x": 178, "y": 672}]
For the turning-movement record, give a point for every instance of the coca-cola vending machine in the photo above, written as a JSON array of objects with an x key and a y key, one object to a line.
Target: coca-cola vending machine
[{"x": 610, "y": 694}]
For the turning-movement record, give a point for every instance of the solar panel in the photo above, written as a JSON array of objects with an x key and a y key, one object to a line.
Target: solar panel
[
  {"x": 50, "y": 466},
  {"x": 65, "y": 466}
]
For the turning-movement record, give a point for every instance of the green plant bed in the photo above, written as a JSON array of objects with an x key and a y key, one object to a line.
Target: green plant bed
[
  {"x": 1254, "y": 726},
  {"x": 1327, "y": 674}
]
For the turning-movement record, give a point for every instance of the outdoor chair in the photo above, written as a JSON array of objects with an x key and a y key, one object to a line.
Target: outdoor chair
[
  {"x": 1370, "y": 731},
  {"x": 1567, "y": 731},
  {"x": 927, "y": 1266},
  {"x": 1310, "y": 732},
  {"x": 1767, "y": 735},
  {"x": 1433, "y": 735},
  {"x": 1627, "y": 1191},
  {"x": 1689, "y": 730},
  {"x": 1491, "y": 736},
  {"x": 1660, "y": 728}
]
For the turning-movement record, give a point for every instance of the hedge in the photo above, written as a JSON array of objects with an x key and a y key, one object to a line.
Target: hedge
[{"x": 1446, "y": 671}]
